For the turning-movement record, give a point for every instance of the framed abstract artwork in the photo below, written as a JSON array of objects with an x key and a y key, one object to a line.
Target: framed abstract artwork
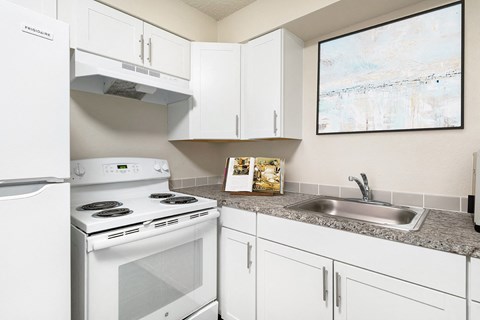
[{"x": 405, "y": 74}]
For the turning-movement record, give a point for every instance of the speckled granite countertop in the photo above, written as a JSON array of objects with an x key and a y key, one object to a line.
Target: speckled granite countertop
[{"x": 442, "y": 230}]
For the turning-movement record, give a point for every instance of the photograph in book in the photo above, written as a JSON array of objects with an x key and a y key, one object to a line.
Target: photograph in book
[
  {"x": 268, "y": 175},
  {"x": 241, "y": 166}
]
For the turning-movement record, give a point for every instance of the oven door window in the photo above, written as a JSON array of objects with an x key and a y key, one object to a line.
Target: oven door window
[
  {"x": 164, "y": 277},
  {"x": 154, "y": 282}
]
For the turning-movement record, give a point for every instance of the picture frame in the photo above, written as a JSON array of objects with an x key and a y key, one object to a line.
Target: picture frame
[{"x": 401, "y": 75}]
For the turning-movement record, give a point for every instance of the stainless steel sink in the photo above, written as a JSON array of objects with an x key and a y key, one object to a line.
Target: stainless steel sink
[{"x": 379, "y": 213}]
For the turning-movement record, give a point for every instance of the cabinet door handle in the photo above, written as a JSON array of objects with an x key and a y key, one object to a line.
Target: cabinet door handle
[
  {"x": 275, "y": 129},
  {"x": 337, "y": 289},
  {"x": 325, "y": 284},
  {"x": 249, "y": 253},
  {"x": 237, "y": 125},
  {"x": 149, "y": 44},
  {"x": 142, "y": 49}
]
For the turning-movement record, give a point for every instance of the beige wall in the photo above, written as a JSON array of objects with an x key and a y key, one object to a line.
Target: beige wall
[
  {"x": 434, "y": 162},
  {"x": 265, "y": 15}
]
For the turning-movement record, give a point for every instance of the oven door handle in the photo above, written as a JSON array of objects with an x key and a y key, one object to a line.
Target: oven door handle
[{"x": 95, "y": 243}]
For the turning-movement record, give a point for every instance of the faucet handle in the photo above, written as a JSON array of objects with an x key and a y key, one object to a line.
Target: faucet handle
[{"x": 365, "y": 179}]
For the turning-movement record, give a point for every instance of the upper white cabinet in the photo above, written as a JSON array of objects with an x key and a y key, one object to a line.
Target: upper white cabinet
[
  {"x": 272, "y": 87},
  {"x": 214, "y": 110},
  {"x": 361, "y": 294},
  {"x": 109, "y": 32},
  {"x": 250, "y": 91},
  {"x": 103, "y": 30},
  {"x": 166, "y": 52},
  {"x": 292, "y": 284},
  {"x": 47, "y": 7}
]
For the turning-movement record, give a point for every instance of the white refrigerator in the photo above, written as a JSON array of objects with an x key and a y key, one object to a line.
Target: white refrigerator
[{"x": 34, "y": 166}]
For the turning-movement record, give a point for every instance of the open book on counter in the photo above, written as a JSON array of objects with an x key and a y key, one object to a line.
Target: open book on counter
[{"x": 249, "y": 174}]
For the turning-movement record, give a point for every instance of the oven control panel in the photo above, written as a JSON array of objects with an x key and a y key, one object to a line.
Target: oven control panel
[
  {"x": 121, "y": 168},
  {"x": 110, "y": 170}
]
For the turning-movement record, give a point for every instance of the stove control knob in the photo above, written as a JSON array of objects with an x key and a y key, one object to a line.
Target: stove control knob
[
  {"x": 165, "y": 167},
  {"x": 79, "y": 170},
  {"x": 157, "y": 167}
]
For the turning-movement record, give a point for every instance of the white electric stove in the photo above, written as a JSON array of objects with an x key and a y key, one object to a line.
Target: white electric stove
[{"x": 139, "y": 250}]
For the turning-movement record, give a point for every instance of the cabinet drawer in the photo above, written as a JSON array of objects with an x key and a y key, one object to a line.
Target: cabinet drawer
[
  {"x": 475, "y": 279},
  {"x": 241, "y": 220}
]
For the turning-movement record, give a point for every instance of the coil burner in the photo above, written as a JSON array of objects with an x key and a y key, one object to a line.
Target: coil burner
[
  {"x": 161, "y": 195},
  {"x": 112, "y": 213},
  {"x": 179, "y": 200},
  {"x": 102, "y": 205}
]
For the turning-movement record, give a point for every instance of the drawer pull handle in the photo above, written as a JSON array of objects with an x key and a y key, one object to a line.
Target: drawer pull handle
[
  {"x": 325, "y": 284},
  {"x": 337, "y": 289},
  {"x": 249, "y": 253}
]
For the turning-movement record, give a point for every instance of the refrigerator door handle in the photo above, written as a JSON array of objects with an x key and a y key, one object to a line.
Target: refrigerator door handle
[{"x": 8, "y": 193}]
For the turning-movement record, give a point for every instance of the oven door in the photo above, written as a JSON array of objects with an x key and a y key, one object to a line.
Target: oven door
[{"x": 166, "y": 276}]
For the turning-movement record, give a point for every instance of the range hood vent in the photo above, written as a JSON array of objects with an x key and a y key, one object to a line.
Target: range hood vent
[{"x": 97, "y": 74}]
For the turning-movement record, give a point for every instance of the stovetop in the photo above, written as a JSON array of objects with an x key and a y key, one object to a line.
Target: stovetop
[
  {"x": 136, "y": 192},
  {"x": 141, "y": 210}
]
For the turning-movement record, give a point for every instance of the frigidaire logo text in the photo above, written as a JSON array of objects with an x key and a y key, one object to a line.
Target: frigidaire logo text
[{"x": 37, "y": 32}]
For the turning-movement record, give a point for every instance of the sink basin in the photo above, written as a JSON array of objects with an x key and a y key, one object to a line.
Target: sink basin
[{"x": 384, "y": 214}]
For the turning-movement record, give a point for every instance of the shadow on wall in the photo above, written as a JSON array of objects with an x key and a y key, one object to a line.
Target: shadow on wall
[
  {"x": 121, "y": 114},
  {"x": 263, "y": 148},
  {"x": 108, "y": 126},
  {"x": 206, "y": 156},
  {"x": 111, "y": 126}
]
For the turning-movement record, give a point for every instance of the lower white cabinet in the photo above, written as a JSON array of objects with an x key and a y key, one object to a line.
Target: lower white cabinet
[
  {"x": 362, "y": 294},
  {"x": 292, "y": 284},
  {"x": 297, "y": 281},
  {"x": 237, "y": 275},
  {"x": 474, "y": 285},
  {"x": 474, "y": 311}
]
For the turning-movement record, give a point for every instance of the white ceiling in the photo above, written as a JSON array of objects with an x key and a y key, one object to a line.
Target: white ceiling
[{"x": 218, "y": 9}]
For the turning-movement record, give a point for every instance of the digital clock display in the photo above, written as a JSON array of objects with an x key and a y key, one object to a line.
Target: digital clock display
[{"x": 122, "y": 166}]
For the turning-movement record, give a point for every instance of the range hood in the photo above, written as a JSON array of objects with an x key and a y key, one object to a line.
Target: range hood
[{"x": 96, "y": 74}]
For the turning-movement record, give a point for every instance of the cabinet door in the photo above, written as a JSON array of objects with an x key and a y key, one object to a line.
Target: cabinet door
[
  {"x": 474, "y": 310},
  {"x": 293, "y": 284},
  {"x": 47, "y": 7},
  {"x": 109, "y": 32},
  {"x": 216, "y": 89},
  {"x": 475, "y": 279},
  {"x": 166, "y": 52},
  {"x": 361, "y": 294},
  {"x": 263, "y": 87},
  {"x": 237, "y": 275}
]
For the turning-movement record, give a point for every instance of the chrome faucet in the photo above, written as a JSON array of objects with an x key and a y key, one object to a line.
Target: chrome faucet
[{"x": 364, "y": 188}]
